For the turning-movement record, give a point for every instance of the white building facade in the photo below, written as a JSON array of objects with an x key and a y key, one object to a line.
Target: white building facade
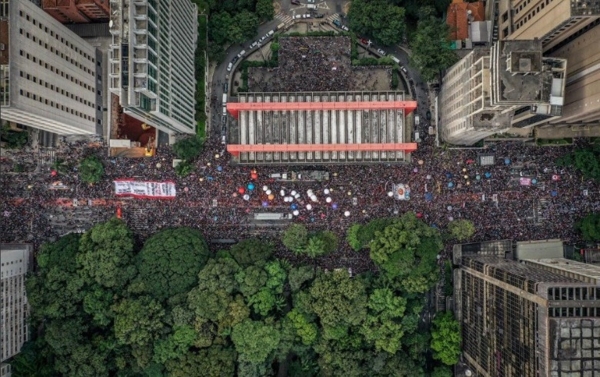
[
  {"x": 151, "y": 65},
  {"x": 15, "y": 308},
  {"x": 49, "y": 75}
]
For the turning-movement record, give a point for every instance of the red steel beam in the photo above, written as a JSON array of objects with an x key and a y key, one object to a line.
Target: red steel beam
[
  {"x": 235, "y": 107},
  {"x": 236, "y": 149}
]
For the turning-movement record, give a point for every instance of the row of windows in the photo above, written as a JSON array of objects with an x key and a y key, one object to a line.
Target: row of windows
[
  {"x": 55, "y": 51},
  {"x": 531, "y": 14},
  {"x": 57, "y": 36},
  {"x": 56, "y": 70},
  {"x": 58, "y": 90},
  {"x": 51, "y": 103}
]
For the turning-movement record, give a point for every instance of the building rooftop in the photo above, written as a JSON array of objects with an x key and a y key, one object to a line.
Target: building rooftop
[
  {"x": 523, "y": 76},
  {"x": 459, "y": 16}
]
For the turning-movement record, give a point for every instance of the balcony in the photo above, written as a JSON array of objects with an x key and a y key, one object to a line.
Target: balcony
[
  {"x": 140, "y": 71},
  {"x": 141, "y": 41},
  {"x": 140, "y": 56}
]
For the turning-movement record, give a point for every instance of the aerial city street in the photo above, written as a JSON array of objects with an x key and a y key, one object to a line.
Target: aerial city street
[{"x": 300, "y": 188}]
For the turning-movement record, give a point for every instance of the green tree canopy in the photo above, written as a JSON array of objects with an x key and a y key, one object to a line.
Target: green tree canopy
[
  {"x": 55, "y": 291},
  {"x": 338, "y": 301},
  {"x": 446, "y": 338},
  {"x": 14, "y": 139},
  {"x": 264, "y": 10},
  {"x": 461, "y": 229},
  {"x": 216, "y": 361},
  {"x": 91, "y": 169},
  {"x": 170, "y": 261},
  {"x": 295, "y": 238},
  {"x": 382, "y": 20},
  {"x": 383, "y": 324},
  {"x": 590, "y": 227},
  {"x": 254, "y": 340},
  {"x": 430, "y": 44},
  {"x": 407, "y": 250},
  {"x": 106, "y": 254},
  {"x": 138, "y": 321},
  {"x": 189, "y": 148},
  {"x": 251, "y": 251}
]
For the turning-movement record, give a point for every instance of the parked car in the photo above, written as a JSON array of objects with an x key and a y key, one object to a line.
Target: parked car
[
  {"x": 235, "y": 59},
  {"x": 319, "y": 15},
  {"x": 345, "y": 28},
  {"x": 395, "y": 59},
  {"x": 295, "y": 2},
  {"x": 428, "y": 115},
  {"x": 381, "y": 52},
  {"x": 311, "y": 1},
  {"x": 306, "y": 15},
  {"x": 337, "y": 23},
  {"x": 242, "y": 53},
  {"x": 297, "y": 16},
  {"x": 229, "y": 66},
  {"x": 254, "y": 44},
  {"x": 403, "y": 68}
]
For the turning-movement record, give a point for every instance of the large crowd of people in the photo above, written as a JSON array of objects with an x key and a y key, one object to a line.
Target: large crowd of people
[
  {"x": 316, "y": 64},
  {"x": 444, "y": 185}
]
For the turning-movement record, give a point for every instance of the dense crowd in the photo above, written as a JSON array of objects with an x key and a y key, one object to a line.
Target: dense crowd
[
  {"x": 315, "y": 64},
  {"x": 444, "y": 185}
]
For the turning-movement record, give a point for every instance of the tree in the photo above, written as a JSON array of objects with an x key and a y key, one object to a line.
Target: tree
[
  {"x": 106, "y": 254},
  {"x": 250, "y": 251},
  {"x": 55, "y": 291},
  {"x": 338, "y": 301},
  {"x": 315, "y": 247},
  {"x": 305, "y": 329},
  {"x": 380, "y": 19},
  {"x": 407, "y": 250},
  {"x": 215, "y": 361},
  {"x": 590, "y": 227},
  {"x": 330, "y": 241},
  {"x": 14, "y": 139},
  {"x": 442, "y": 371},
  {"x": 170, "y": 261},
  {"x": 243, "y": 27},
  {"x": 445, "y": 338},
  {"x": 295, "y": 237},
  {"x": 138, "y": 322},
  {"x": 254, "y": 340},
  {"x": 431, "y": 50},
  {"x": 91, "y": 169},
  {"x": 383, "y": 326},
  {"x": 189, "y": 148},
  {"x": 352, "y": 237},
  {"x": 175, "y": 345},
  {"x": 300, "y": 275},
  {"x": 264, "y": 10},
  {"x": 184, "y": 168},
  {"x": 461, "y": 229}
]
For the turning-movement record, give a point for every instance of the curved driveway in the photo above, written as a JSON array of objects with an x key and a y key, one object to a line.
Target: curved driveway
[{"x": 220, "y": 76}]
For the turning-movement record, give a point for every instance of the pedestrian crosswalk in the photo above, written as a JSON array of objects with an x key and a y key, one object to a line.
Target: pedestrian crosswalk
[{"x": 285, "y": 18}]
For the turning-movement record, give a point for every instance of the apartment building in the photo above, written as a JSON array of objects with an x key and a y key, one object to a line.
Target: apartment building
[
  {"x": 493, "y": 89},
  {"x": 527, "y": 318},
  {"x": 568, "y": 29},
  {"x": 77, "y": 11},
  {"x": 151, "y": 64},
  {"x": 15, "y": 309},
  {"x": 50, "y": 78}
]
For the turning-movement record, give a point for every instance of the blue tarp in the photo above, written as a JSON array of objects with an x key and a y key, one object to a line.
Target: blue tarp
[{"x": 428, "y": 196}]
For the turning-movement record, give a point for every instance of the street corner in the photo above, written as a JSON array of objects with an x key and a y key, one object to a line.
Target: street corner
[{"x": 276, "y": 7}]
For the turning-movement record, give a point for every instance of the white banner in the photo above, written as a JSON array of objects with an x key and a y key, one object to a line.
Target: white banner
[{"x": 145, "y": 189}]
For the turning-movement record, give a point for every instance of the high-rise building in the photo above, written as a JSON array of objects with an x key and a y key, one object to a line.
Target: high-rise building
[
  {"x": 15, "y": 309},
  {"x": 568, "y": 29},
  {"x": 77, "y": 11},
  {"x": 485, "y": 92},
  {"x": 528, "y": 318},
  {"x": 152, "y": 61},
  {"x": 5, "y": 370},
  {"x": 49, "y": 77}
]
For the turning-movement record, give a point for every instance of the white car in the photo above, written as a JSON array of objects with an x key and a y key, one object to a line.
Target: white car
[
  {"x": 403, "y": 69},
  {"x": 345, "y": 28},
  {"x": 242, "y": 53},
  {"x": 297, "y": 16},
  {"x": 254, "y": 44},
  {"x": 381, "y": 52},
  {"x": 306, "y": 15},
  {"x": 229, "y": 66}
]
